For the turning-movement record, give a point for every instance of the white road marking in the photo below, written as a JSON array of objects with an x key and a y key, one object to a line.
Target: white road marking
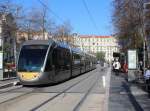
[
  {"x": 108, "y": 77},
  {"x": 104, "y": 81}
]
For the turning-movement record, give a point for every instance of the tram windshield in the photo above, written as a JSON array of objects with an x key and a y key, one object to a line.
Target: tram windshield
[{"x": 32, "y": 58}]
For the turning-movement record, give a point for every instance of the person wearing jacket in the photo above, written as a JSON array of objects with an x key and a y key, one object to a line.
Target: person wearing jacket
[
  {"x": 116, "y": 66},
  {"x": 147, "y": 78}
]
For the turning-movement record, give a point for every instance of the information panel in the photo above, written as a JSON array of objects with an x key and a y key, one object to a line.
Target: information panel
[{"x": 132, "y": 59}]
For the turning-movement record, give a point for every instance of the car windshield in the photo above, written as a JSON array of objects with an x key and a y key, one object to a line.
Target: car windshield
[{"x": 32, "y": 58}]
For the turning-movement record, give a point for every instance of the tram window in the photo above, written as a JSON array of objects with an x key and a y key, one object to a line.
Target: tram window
[
  {"x": 48, "y": 63},
  {"x": 82, "y": 60},
  {"x": 49, "y": 59},
  {"x": 61, "y": 58},
  {"x": 31, "y": 59},
  {"x": 76, "y": 58},
  {"x": 54, "y": 58},
  {"x": 64, "y": 58}
]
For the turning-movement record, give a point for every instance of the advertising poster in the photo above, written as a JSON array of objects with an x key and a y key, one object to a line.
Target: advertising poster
[{"x": 132, "y": 59}]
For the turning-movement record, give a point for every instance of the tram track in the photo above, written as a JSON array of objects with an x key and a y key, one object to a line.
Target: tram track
[
  {"x": 77, "y": 107},
  {"x": 36, "y": 91},
  {"x": 22, "y": 95},
  {"x": 7, "y": 91},
  {"x": 52, "y": 98}
]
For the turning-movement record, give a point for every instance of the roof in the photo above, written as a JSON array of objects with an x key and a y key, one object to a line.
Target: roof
[
  {"x": 36, "y": 42},
  {"x": 94, "y": 36}
]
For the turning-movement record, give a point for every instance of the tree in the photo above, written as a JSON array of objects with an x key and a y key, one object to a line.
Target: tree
[
  {"x": 39, "y": 21},
  {"x": 36, "y": 20},
  {"x": 100, "y": 56},
  {"x": 63, "y": 31},
  {"x": 128, "y": 22}
]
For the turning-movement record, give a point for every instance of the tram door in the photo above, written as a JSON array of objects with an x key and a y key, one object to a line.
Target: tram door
[
  {"x": 61, "y": 62},
  {"x": 76, "y": 64},
  {"x": 82, "y": 64}
]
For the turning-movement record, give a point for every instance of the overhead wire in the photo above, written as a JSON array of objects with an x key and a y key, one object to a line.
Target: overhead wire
[
  {"x": 60, "y": 19},
  {"x": 90, "y": 15},
  {"x": 51, "y": 11}
]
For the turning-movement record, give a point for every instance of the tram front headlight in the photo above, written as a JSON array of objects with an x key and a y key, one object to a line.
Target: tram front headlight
[
  {"x": 35, "y": 75},
  {"x": 28, "y": 75}
]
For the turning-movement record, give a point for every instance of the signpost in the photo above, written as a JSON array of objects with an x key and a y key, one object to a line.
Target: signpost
[
  {"x": 132, "y": 64},
  {"x": 1, "y": 53}
]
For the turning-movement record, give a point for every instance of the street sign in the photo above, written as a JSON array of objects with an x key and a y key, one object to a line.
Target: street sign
[{"x": 132, "y": 59}]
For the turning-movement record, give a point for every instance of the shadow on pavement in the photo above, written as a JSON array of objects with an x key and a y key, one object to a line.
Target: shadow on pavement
[
  {"x": 127, "y": 96},
  {"x": 132, "y": 99}
]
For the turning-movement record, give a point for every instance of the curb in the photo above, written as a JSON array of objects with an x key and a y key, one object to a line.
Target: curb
[
  {"x": 15, "y": 83},
  {"x": 108, "y": 77}
]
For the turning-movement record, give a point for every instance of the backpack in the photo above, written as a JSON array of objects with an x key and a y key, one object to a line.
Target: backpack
[{"x": 115, "y": 65}]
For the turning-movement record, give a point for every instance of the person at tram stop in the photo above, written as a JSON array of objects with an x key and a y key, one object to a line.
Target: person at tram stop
[
  {"x": 125, "y": 67},
  {"x": 140, "y": 65},
  {"x": 147, "y": 73},
  {"x": 116, "y": 66},
  {"x": 147, "y": 77}
]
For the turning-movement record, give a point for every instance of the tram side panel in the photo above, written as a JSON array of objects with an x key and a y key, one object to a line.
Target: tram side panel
[
  {"x": 83, "y": 70},
  {"x": 93, "y": 62},
  {"x": 76, "y": 64},
  {"x": 61, "y": 63},
  {"x": 87, "y": 63},
  {"x": 47, "y": 76}
]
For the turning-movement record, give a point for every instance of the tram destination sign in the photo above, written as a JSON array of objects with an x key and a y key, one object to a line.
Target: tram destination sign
[{"x": 132, "y": 59}]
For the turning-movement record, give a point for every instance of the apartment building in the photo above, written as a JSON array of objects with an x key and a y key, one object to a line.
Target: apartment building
[{"x": 94, "y": 44}]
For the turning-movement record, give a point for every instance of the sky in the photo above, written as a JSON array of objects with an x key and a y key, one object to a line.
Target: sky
[{"x": 75, "y": 12}]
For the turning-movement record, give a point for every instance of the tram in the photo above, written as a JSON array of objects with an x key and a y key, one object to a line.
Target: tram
[{"x": 47, "y": 61}]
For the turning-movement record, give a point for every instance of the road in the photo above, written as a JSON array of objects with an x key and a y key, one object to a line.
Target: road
[{"x": 87, "y": 92}]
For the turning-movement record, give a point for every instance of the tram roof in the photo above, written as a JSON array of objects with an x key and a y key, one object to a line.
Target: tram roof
[
  {"x": 62, "y": 44},
  {"x": 37, "y": 42},
  {"x": 76, "y": 50}
]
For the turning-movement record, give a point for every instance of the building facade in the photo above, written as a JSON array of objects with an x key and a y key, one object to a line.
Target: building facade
[
  {"x": 7, "y": 45},
  {"x": 32, "y": 35},
  {"x": 94, "y": 44}
]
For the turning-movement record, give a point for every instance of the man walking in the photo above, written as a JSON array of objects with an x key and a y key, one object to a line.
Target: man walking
[{"x": 116, "y": 66}]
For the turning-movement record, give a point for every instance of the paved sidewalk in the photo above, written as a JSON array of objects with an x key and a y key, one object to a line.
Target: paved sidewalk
[
  {"x": 3, "y": 82},
  {"x": 126, "y": 96}
]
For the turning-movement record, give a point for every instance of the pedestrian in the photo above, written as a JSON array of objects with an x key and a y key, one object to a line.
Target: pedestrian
[
  {"x": 147, "y": 78},
  {"x": 116, "y": 66},
  {"x": 125, "y": 67},
  {"x": 140, "y": 66}
]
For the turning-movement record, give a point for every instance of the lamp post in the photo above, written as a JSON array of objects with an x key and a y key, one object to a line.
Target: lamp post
[{"x": 1, "y": 48}]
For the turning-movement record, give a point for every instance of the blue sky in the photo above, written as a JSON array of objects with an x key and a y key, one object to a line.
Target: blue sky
[{"x": 75, "y": 12}]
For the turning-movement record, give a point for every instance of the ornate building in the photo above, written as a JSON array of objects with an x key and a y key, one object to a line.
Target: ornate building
[{"x": 94, "y": 44}]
